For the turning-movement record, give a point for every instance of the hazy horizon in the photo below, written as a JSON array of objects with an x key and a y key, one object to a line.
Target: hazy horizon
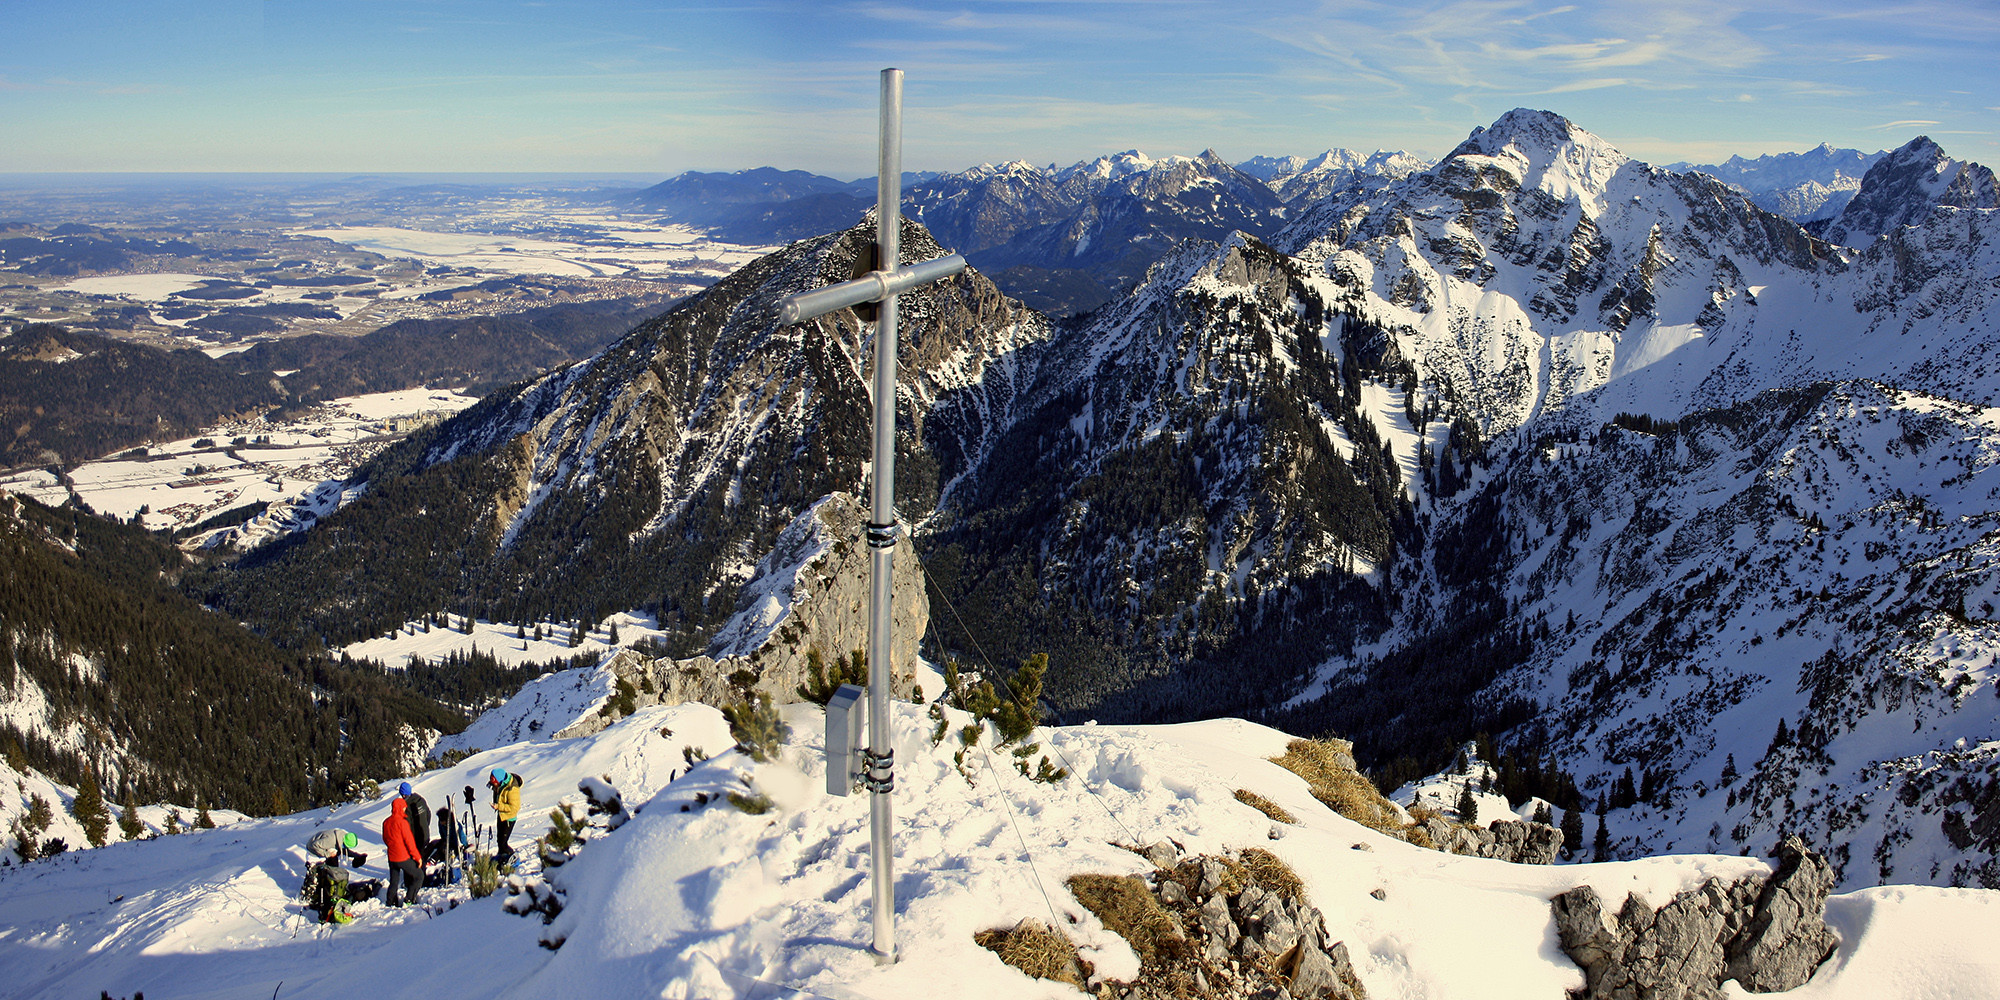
[{"x": 626, "y": 86}]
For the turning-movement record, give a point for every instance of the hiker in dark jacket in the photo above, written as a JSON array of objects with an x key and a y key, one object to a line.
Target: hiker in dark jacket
[
  {"x": 418, "y": 812},
  {"x": 402, "y": 848}
]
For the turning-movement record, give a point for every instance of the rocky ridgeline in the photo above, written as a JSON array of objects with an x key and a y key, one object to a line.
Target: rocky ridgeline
[
  {"x": 1767, "y": 934},
  {"x": 1516, "y": 840}
]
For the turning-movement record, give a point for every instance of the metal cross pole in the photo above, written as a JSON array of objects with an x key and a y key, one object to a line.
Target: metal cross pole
[{"x": 881, "y": 286}]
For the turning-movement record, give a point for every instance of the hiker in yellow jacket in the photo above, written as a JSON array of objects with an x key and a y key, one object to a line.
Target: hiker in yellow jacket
[{"x": 506, "y": 806}]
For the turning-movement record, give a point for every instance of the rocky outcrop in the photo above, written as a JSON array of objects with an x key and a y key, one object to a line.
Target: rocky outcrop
[
  {"x": 1234, "y": 926},
  {"x": 810, "y": 594},
  {"x": 1902, "y": 188},
  {"x": 1515, "y": 840},
  {"x": 1768, "y": 935}
]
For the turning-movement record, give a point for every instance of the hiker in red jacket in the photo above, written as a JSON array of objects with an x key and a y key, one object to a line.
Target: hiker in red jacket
[{"x": 402, "y": 847}]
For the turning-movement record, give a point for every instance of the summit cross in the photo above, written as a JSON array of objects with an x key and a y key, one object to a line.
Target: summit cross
[{"x": 880, "y": 286}]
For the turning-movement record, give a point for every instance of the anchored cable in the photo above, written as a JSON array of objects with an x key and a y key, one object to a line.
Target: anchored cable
[
  {"x": 1055, "y": 922},
  {"x": 994, "y": 669}
]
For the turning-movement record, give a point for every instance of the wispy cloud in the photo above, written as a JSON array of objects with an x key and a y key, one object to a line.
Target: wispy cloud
[
  {"x": 1596, "y": 84},
  {"x": 1906, "y": 123}
]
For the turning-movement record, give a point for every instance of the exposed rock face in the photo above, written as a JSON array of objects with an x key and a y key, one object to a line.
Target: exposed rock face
[
  {"x": 1515, "y": 840},
  {"x": 809, "y": 594},
  {"x": 1239, "y": 936},
  {"x": 1902, "y": 187},
  {"x": 1768, "y": 937}
]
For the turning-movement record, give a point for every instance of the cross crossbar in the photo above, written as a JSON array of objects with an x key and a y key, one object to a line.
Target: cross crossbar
[{"x": 871, "y": 287}]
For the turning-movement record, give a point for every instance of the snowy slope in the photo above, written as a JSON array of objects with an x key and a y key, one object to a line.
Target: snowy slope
[{"x": 714, "y": 903}]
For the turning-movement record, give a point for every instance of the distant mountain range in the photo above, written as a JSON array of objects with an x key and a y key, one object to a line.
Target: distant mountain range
[
  {"x": 1802, "y": 187},
  {"x": 1064, "y": 240},
  {"x": 1541, "y": 441}
]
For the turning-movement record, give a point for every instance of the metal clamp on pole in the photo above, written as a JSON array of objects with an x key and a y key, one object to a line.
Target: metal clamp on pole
[
  {"x": 881, "y": 773},
  {"x": 883, "y": 536}
]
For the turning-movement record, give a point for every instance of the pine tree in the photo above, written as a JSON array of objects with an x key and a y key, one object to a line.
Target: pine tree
[
  {"x": 611, "y": 633},
  {"x": 1468, "y": 804},
  {"x": 1602, "y": 844},
  {"x": 1729, "y": 774},
  {"x": 757, "y": 727},
  {"x": 89, "y": 810},
  {"x": 202, "y": 821},
  {"x": 128, "y": 816},
  {"x": 1572, "y": 828}
]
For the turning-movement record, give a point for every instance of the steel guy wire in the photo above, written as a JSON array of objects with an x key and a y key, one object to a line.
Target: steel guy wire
[
  {"x": 1055, "y": 922},
  {"x": 1095, "y": 795}
]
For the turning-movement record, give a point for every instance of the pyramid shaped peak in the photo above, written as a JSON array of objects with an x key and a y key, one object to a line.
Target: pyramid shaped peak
[{"x": 1531, "y": 131}]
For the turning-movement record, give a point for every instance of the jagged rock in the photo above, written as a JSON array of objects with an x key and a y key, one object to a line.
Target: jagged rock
[
  {"x": 1768, "y": 938},
  {"x": 1520, "y": 841},
  {"x": 1163, "y": 855},
  {"x": 1786, "y": 939},
  {"x": 808, "y": 594}
]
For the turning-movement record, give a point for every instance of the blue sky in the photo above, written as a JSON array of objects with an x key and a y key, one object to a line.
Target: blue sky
[{"x": 661, "y": 87}]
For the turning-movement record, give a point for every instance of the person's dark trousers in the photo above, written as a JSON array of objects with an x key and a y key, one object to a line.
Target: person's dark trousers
[
  {"x": 413, "y": 879},
  {"x": 505, "y": 830}
]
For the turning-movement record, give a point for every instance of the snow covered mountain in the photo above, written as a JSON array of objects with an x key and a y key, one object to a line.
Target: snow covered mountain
[
  {"x": 1069, "y": 239},
  {"x": 1666, "y": 367},
  {"x": 1802, "y": 187},
  {"x": 1325, "y": 478},
  {"x": 691, "y": 896},
  {"x": 1902, "y": 188},
  {"x": 669, "y": 464},
  {"x": 1302, "y": 180}
]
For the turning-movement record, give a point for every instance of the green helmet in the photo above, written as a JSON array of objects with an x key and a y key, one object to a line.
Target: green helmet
[{"x": 347, "y": 840}]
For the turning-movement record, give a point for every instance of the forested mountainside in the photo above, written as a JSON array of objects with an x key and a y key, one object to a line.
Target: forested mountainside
[
  {"x": 109, "y": 671},
  {"x": 1538, "y": 439},
  {"x": 655, "y": 475}
]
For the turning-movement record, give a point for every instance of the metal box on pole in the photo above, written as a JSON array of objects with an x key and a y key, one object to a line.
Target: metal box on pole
[{"x": 843, "y": 739}]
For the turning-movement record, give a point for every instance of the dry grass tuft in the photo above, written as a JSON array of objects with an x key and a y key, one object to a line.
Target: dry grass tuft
[
  {"x": 1271, "y": 874},
  {"x": 1129, "y": 908},
  {"x": 1265, "y": 806},
  {"x": 1328, "y": 767},
  {"x": 1032, "y": 947}
]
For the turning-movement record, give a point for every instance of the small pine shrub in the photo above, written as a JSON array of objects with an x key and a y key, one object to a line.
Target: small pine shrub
[
  {"x": 821, "y": 683},
  {"x": 755, "y": 803},
  {"x": 562, "y": 835},
  {"x": 128, "y": 817},
  {"x": 88, "y": 807},
  {"x": 757, "y": 728},
  {"x": 484, "y": 878},
  {"x": 693, "y": 755},
  {"x": 202, "y": 821}
]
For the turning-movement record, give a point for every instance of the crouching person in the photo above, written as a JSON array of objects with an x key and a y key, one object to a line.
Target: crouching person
[{"x": 326, "y": 888}]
